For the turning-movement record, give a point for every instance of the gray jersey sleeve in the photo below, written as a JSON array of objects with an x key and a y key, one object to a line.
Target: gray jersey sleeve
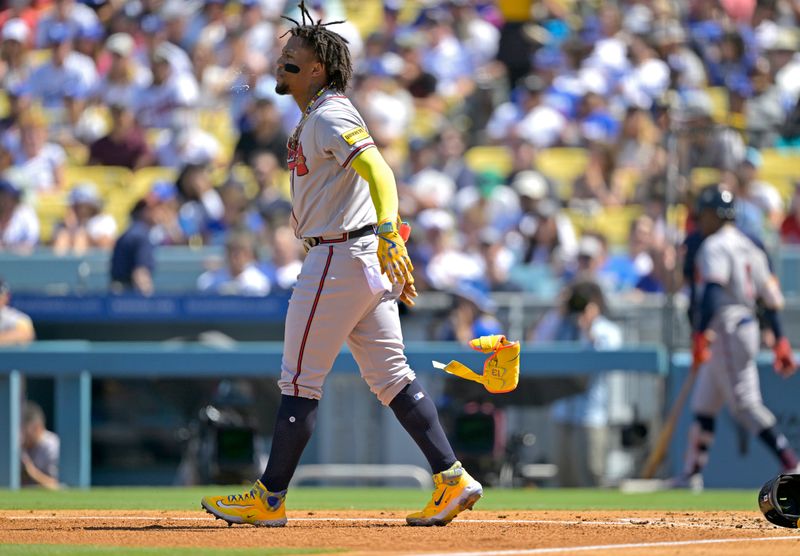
[
  {"x": 715, "y": 265},
  {"x": 342, "y": 134}
]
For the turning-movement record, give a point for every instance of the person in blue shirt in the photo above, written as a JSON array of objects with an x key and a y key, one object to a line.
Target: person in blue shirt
[{"x": 133, "y": 259}]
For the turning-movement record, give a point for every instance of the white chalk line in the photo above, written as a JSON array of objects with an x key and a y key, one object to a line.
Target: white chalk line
[
  {"x": 571, "y": 549},
  {"x": 624, "y": 522}
]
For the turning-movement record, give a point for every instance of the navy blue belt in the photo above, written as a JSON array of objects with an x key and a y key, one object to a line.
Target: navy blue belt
[{"x": 369, "y": 229}]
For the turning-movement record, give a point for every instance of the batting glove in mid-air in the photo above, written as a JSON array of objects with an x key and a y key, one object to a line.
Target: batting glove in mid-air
[
  {"x": 393, "y": 256},
  {"x": 784, "y": 358}
]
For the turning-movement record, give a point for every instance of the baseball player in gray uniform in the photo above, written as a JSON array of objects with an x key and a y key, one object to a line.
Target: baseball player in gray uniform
[
  {"x": 732, "y": 275},
  {"x": 345, "y": 209}
]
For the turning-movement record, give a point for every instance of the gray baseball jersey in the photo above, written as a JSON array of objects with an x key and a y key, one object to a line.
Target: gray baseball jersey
[
  {"x": 340, "y": 295},
  {"x": 730, "y": 376},
  {"x": 328, "y": 196}
]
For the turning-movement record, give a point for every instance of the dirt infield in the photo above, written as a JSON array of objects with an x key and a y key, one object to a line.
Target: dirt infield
[{"x": 359, "y": 532}]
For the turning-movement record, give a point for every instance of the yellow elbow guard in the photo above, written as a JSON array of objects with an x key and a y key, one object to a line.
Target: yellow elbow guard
[{"x": 501, "y": 369}]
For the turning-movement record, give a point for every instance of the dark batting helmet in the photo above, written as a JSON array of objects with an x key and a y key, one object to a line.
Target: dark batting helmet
[
  {"x": 717, "y": 199},
  {"x": 779, "y": 500}
]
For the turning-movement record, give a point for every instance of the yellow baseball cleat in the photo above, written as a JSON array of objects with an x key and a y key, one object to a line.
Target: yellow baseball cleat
[
  {"x": 258, "y": 507},
  {"x": 455, "y": 492}
]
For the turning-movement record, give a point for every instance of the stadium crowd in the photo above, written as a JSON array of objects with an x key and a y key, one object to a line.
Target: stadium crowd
[{"x": 532, "y": 141}]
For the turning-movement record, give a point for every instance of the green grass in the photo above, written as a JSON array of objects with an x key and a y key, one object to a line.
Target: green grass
[
  {"x": 379, "y": 499},
  {"x": 90, "y": 550}
]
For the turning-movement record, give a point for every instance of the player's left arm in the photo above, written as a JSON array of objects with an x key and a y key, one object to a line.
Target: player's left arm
[
  {"x": 769, "y": 292},
  {"x": 392, "y": 253}
]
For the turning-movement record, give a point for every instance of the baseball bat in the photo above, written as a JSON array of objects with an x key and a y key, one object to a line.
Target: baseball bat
[{"x": 665, "y": 436}]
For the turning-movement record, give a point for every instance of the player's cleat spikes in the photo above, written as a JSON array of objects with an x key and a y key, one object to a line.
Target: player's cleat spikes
[
  {"x": 454, "y": 492},
  {"x": 257, "y": 507}
]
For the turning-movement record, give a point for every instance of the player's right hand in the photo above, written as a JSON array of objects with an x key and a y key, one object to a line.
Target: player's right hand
[
  {"x": 700, "y": 350},
  {"x": 784, "y": 364},
  {"x": 392, "y": 254}
]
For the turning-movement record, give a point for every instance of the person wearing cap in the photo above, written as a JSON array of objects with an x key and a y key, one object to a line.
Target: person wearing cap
[
  {"x": 445, "y": 57},
  {"x": 670, "y": 43},
  {"x": 170, "y": 91},
  {"x": 15, "y": 67},
  {"x": 15, "y": 326},
  {"x": 471, "y": 315},
  {"x": 67, "y": 71},
  {"x": 41, "y": 449},
  {"x": 39, "y": 164},
  {"x": 85, "y": 226},
  {"x": 530, "y": 119},
  {"x": 704, "y": 144},
  {"x": 599, "y": 184},
  {"x": 19, "y": 225},
  {"x": 167, "y": 229},
  {"x": 185, "y": 143},
  {"x": 766, "y": 110},
  {"x": 133, "y": 257},
  {"x": 75, "y": 16},
  {"x": 124, "y": 76},
  {"x": 125, "y": 143}
]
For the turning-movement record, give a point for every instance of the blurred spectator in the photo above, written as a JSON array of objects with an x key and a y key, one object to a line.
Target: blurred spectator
[
  {"x": 73, "y": 16},
  {"x": 488, "y": 203},
  {"x": 765, "y": 112},
  {"x": 285, "y": 263},
  {"x": 15, "y": 326},
  {"x": 39, "y": 165},
  {"x": 546, "y": 232},
  {"x": 241, "y": 275},
  {"x": 237, "y": 214},
  {"x": 634, "y": 268},
  {"x": 18, "y": 102},
  {"x": 704, "y": 144},
  {"x": 790, "y": 228},
  {"x": 19, "y": 225},
  {"x": 471, "y": 315},
  {"x": 442, "y": 263},
  {"x": 67, "y": 73},
  {"x": 387, "y": 109},
  {"x": 263, "y": 132},
  {"x": 637, "y": 144},
  {"x": 25, "y": 10},
  {"x": 599, "y": 184},
  {"x": 14, "y": 65},
  {"x": 167, "y": 229},
  {"x": 201, "y": 206},
  {"x": 124, "y": 77},
  {"x": 790, "y": 130},
  {"x": 270, "y": 200},
  {"x": 582, "y": 420},
  {"x": 759, "y": 207},
  {"x": 85, "y": 226},
  {"x": 686, "y": 66},
  {"x": 451, "y": 158},
  {"x": 185, "y": 143},
  {"x": 594, "y": 123},
  {"x": 649, "y": 76},
  {"x": 170, "y": 92},
  {"x": 783, "y": 60},
  {"x": 124, "y": 145},
  {"x": 154, "y": 32},
  {"x": 428, "y": 187},
  {"x": 133, "y": 258},
  {"x": 497, "y": 260},
  {"x": 40, "y": 449},
  {"x": 529, "y": 119}
]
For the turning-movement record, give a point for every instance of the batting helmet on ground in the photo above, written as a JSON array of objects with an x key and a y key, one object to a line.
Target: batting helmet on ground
[
  {"x": 779, "y": 500},
  {"x": 717, "y": 199}
]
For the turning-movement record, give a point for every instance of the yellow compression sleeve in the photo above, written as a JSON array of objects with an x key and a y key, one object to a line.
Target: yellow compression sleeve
[{"x": 371, "y": 166}]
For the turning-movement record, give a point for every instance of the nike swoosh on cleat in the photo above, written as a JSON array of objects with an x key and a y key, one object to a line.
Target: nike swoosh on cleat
[
  {"x": 222, "y": 504},
  {"x": 439, "y": 501}
]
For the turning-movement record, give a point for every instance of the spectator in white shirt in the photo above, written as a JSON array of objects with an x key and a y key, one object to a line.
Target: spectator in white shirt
[
  {"x": 185, "y": 143},
  {"x": 241, "y": 275},
  {"x": 14, "y": 65},
  {"x": 125, "y": 77},
  {"x": 38, "y": 165},
  {"x": 74, "y": 15},
  {"x": 19, "y": 226},
  {"x": 170, "y": 91},
  {"x": 85, "y": 226},
  {"x": 66, "y": 73}
]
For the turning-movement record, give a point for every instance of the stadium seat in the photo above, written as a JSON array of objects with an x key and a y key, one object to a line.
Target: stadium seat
[
  {"x": 719, "y": 104},
  {"x": 106, "y": 178},
  {"x": 781, "y": 169},
  {"x": 50, "y": 209},
  {"x": 144, "y": 178},
  {"x": 489, "y": 158},
  {"x": 562, "y": 165},
  {"x": 701, "y": 177},
  {"x": 613, "y": 222}
]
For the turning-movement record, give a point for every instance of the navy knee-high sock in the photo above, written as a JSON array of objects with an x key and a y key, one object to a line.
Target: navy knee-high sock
[
  {"x": 779, "y": 444},
  {"x": 417, "y": 413},
  {"x": 293, "y": 428}
]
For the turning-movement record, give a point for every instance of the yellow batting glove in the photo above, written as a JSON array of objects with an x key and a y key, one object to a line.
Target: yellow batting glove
[
  {"x": 392, "y": 254},
  {"x": 500, "y": 370}
]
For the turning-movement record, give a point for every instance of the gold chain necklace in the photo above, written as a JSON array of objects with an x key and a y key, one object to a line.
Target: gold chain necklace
[{"x": 296, "y": 134}]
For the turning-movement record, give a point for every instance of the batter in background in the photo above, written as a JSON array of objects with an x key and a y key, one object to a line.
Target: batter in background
[
  {"x": 345, "y": 209},
  {"x": 732, "y": 274}
]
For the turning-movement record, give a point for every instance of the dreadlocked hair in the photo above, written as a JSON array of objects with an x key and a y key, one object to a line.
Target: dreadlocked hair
[{"x": 330, "y": 48}]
